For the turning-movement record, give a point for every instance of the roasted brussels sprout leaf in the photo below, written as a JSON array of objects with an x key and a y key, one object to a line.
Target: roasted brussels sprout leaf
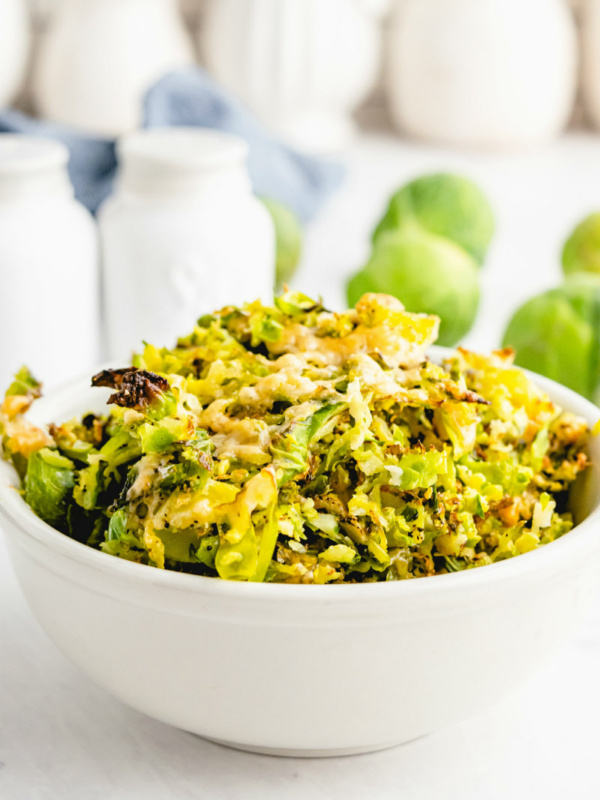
[
  {"x": 24, "y": 385},
  {"x": 49, "y": 482}
]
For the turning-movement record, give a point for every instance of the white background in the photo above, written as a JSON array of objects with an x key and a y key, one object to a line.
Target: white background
[{"x": 61, "y": 738}]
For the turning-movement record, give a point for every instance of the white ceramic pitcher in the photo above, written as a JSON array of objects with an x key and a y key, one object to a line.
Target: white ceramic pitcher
[
  {"x": 590, "y": 40},
  {"x": 482, "y": 72},
  {"x": 301, "y": 65},
  {"x": 14, "y": 47},
  {"x": 99, "y": 57}
]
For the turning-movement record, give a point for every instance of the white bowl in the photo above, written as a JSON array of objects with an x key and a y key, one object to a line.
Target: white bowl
[{"x": 303, "y": 670}]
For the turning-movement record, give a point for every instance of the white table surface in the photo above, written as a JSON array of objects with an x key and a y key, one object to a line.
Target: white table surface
[{"x": 61, "y": 738}]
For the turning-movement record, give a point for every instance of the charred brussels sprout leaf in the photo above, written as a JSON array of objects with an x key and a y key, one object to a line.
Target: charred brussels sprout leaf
[{"x": 136, "y": 388}]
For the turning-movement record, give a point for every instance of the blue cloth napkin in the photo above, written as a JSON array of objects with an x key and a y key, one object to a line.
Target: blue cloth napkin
[{"x": 192, "y": 98}]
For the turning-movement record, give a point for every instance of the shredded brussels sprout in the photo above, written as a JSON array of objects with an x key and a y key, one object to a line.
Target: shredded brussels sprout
[{"x": 293, "y": 444}]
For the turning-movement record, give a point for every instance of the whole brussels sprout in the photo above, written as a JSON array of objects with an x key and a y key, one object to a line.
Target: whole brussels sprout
[
  {"x": 427, "y": 274},
  {"x": 288, "y": 240},
  {"x": 581, "y": 252},
  {"x": 557, "y": 334},
  {"x": 447, "y": 205}
]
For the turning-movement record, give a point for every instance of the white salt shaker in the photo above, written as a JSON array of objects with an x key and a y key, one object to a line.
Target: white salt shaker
[
  {"x": 182, "y": 236},
  {"x": 49, "y": 293},
  {"x": 99, "y": 57}
]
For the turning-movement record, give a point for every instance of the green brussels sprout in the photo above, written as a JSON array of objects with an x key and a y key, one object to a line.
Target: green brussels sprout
[
  {"x": 557, "y": 334},
  {"x": 288, "y": 240},
  {"x": 447, "y": 205},
  {"x": 427, "y": 274},
  {"x": 581, "y": 252}
]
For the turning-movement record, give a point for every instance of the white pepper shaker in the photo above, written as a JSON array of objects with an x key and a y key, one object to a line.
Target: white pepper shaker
[
  {"x": 49, "y": 292},
  {"x": 182, "y": 236}
]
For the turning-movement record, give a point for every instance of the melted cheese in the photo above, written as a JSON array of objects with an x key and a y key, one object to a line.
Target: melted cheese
[
  {"x": 393, "y": 342},
  {"x": 148, "y": 467},
  {"x": 24, "y": 437},
  {"x": 287, "y": 382},
  {"x": 183, "y": 511},
  {"x": 244, "y": 439}
]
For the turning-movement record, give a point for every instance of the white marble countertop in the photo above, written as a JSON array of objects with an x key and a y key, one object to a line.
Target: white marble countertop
[{"x": 61, "y": 738}]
